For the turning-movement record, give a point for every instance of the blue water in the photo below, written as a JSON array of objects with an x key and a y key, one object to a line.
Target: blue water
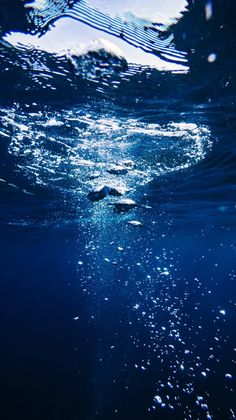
[{"x": 102, "y": 318}]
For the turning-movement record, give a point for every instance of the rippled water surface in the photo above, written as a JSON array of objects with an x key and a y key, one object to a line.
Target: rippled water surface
[{"x": 117, "y": 227}]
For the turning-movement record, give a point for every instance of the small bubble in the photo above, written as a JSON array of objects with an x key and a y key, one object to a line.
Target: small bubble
[
  {"x": 157, "y": 399},
  {"x": 208, "y": 10},
  {"x": 211, "y": 58},
  {"x": 222, "y": 312}
]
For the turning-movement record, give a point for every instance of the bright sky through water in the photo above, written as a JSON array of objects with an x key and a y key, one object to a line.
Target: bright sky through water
[{"x": 69, "y": 33}]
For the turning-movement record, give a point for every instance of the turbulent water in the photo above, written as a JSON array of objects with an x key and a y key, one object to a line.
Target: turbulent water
[{"x": 113, "y": 308}]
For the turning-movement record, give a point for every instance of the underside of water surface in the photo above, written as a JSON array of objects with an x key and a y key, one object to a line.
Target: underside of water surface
[{"x": 118, "y": 203}]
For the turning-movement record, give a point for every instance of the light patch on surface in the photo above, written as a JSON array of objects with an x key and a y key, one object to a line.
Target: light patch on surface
[
  {"x": 37, "y": 4},
  {"x": 96, "y": 45},
  {"x": 70, "y": 34}
]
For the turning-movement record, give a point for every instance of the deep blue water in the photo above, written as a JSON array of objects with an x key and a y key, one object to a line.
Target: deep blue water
[
  {"x": 118, "y": 354},
  {"x": 101, "y": 318}
]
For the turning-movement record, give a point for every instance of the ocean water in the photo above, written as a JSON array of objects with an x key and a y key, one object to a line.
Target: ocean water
[{"x": 113, "y": 309}]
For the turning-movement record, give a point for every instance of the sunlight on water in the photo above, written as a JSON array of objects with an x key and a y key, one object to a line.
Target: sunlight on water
[
  {"x": 78, "y": 150},
  {"x": 110, "y": 24},
  {"x": 118, "y": 207}
]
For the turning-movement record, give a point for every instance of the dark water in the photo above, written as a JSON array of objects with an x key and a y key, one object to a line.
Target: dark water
[{"x": 102, "y": 318}]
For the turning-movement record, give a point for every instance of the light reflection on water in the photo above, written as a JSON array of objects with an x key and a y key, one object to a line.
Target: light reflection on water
[{"x": 73, "y": 150}]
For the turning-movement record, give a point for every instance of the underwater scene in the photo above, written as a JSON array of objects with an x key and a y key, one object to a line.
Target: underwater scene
[{"x": 118, "y": 209}]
